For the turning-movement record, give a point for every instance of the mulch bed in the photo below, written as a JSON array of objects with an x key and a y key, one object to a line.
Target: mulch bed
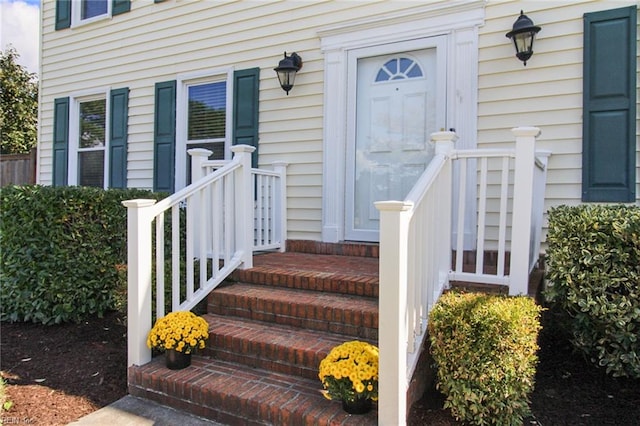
[{"x": 57, "y": 374}]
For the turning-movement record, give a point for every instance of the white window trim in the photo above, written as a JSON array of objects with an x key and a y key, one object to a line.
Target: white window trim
[
  {"x": 74, "y": 126},
  {"x": 76, "y": 14},
  {"x": 458, "y": 20},
  {"x": 182, "y": 93}
]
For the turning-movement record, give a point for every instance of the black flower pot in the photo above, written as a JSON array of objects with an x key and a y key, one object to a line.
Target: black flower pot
[
  {"x": 357, "y": 406},
  {"x": 177, "y": 360}
]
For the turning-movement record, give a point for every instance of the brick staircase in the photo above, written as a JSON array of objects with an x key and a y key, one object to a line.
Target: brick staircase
[{"x": 270, "y": 326}]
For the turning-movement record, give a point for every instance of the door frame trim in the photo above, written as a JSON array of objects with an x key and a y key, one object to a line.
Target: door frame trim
[{"x": 457, "y": 21}]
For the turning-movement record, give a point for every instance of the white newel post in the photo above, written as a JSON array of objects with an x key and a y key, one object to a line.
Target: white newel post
[
  {"x": 444, "y": 144},
  {"x": 138, "y": 280},
  {"x": 522, "y": 208},
  {"x": 393, "y": 338},
  {"x": 280, "y": 167},
  {"x": 244, "y": 204},
  {"x": 198, "y": 156}
]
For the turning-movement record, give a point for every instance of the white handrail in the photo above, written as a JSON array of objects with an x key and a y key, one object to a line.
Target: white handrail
[
  {"x": 415, "y": 256},
  {"x": 416, "y": 245},
  {"x": 269, "y": 194},
  {"x": 209, "y": 238}
]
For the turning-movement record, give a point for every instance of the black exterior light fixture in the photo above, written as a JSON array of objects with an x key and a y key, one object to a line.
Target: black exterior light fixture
[
  {"x": 522, "y": 34},
  {"x": 287, "y": 69}
]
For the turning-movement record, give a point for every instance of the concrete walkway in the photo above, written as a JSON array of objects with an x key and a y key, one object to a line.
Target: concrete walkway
[{"x": 132, "y": 411}]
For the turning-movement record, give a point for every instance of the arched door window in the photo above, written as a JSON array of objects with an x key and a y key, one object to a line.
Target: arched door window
[{"x": 398, "y": 69}]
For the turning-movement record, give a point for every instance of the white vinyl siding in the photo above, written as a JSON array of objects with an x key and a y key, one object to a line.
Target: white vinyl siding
[
  {"x": 547, "y": 93},
  {"x": 158, "y": 42}
]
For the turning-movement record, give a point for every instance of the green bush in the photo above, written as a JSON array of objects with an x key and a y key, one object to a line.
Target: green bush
[
  {"x": 593, "y": 273},
  {"x": 62, "y": 249},
  {"x": 485, "y": 350}
]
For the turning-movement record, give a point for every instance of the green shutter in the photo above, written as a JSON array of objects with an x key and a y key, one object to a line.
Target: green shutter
[
  {"x": 609, "y": 117},
  {"x": 246, "y": 86},
  {"x": 164, "y": 137},
  {"x": 120, "y": 6},
  {"x": 63, "y": 14},
  {"x": 118, "y": 116},
  {"x": 60, "y": 141}
]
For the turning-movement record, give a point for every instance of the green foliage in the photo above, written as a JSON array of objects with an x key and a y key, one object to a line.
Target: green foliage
[
  {"x": 593, "y": 263},
  {"x": 18, "y": 105},
  {"x": 5, "y": 402},
  {"x": 63, "y": 251},
  {"x": 485, "y": 350}
]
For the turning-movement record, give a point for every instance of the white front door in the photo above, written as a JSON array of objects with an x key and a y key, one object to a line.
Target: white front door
[{"x": 397, "y": 108}]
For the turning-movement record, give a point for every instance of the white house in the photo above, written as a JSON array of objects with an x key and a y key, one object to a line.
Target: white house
[
  {"x": 131, "y": 60},
  {"x": 127, "y": 87}
]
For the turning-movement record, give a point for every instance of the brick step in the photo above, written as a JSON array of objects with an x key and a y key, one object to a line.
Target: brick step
[
  {"x": 337, "y": 313},
  {"x": 352, "y": 275},
  {"x": 273, "y": 347},
  {"x": 234, "y": 394}
]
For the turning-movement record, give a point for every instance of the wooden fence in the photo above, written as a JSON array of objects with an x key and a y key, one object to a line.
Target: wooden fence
[{"x": 18, "y": 169}]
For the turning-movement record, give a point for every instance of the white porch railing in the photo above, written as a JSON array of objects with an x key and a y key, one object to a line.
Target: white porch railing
[
  {"x": 416, "y": 246},
  {"x": 202, "y": 233},
  {"x": 269, "y": 218}
]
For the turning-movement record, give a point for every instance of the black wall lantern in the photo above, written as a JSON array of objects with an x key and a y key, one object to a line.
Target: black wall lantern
[
  {"x": 287, "y": 69},
  {"x": 522, "y": 34}
]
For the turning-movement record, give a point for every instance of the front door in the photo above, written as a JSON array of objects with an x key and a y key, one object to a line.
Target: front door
[{"x": 396, "y": 109}]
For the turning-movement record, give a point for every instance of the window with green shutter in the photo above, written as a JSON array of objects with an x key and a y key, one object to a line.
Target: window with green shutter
[
  {"x": 90, "y": 141},
  {"x": 77, "y": 12},
  {"x": 609, "y": 97},
  {"x": 206, "y": 116}
]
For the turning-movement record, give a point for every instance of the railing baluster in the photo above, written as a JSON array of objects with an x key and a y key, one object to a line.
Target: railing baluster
[
  {"x": 160, "y": 265},
  {"x": 192, "y": 203},
  {"x": 175, "y": 257},
  {"x": 482, "y": 216},
  {"x": 259, "y": 216},
  {"x": 462, "y": 207},
  {"x": 411, "y": 286},
  {"x": 229, "y": 214},
  {"x": 217, "y": 235},
  {"x": 502, "y": 227},
  {"x": 202, "y": 238}
]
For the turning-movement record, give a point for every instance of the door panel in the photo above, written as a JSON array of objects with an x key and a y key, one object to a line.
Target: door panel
[{"x": 395, "y": 114}]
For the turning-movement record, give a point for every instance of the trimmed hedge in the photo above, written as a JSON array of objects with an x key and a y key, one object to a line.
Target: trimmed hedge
[
  {"x": 593, "y": 272},
  {"x": 485, "y": 350},
  {"x": 61, "y": 250}
]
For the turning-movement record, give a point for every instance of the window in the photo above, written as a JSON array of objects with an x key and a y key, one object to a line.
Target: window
[
  {"x": 207, "y": 116},
  {"x": 93, "y": 8},
  {"x": 88, "y": 140},
  {"x": 78, "y": 12},
  {"x": 398, "y": 69},
  {"x": 213, "y": 110},
  {"x": 91, "y": 142},
  {"x": 85, "y": 11},
  {"x": 203, "y": 119}
]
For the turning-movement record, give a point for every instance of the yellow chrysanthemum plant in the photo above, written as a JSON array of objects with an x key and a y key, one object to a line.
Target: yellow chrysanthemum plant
[
  {"x": 350, "y": 372},
  {"x": 181, "y": 330}
]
